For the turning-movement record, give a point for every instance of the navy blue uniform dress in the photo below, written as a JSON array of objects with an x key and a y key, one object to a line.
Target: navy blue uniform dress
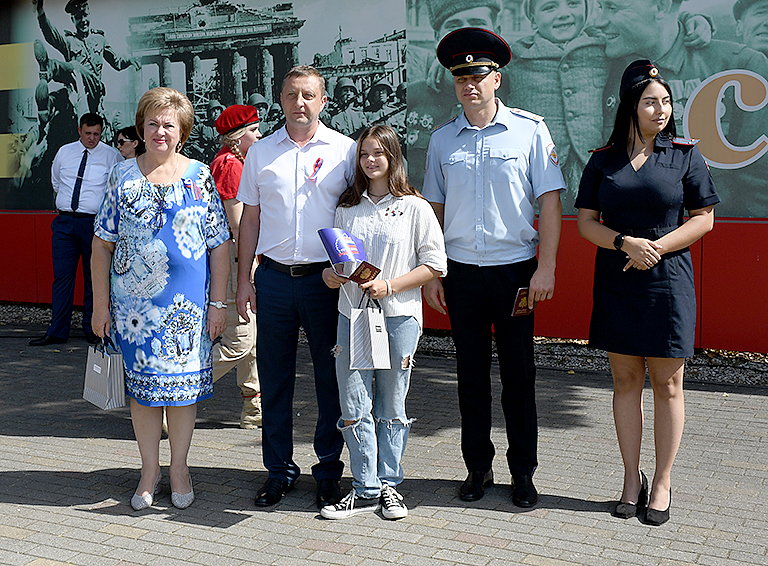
[{"x": 650, "y": 313}]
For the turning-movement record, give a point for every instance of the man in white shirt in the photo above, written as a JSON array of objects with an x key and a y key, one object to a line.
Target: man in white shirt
[
  {"x": 290, "y": 186},
  {"x": 79, "y": 177}
]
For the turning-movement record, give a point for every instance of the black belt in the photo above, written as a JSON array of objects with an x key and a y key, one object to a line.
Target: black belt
[
  {"x": 77, "y": 214},
  {"x": 299, "y": 270}
]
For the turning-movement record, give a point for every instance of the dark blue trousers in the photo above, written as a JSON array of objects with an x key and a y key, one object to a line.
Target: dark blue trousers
[
  {"x": 285, "y": 303},
  {"x": 71, "y": 241},
  {"x": 477, "y": 298}
]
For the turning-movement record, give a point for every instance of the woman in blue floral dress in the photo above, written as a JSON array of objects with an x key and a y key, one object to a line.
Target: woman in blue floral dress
[{"x": 160, "y": 267}]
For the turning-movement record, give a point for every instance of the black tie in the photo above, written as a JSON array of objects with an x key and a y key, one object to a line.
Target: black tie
[{"x": 79, "y": 182}]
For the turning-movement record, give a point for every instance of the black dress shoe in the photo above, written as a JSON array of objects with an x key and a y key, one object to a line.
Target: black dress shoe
[
  {"x": 47, "y": 339},
  {"x": 272, "y": 492},
  {"x": 654, "y": 517},
  {"x": 474, "y": 486},
  {"x": 629, "y": 510},
  {"x": 91, "y": 338},
  {"x": 524, "y": 493},
  {"x": 328, "y": 492}
]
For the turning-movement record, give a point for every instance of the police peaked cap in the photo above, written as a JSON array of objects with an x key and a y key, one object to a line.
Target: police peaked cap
[
  {"x": 637, "y": 72},
  {"x": 473, "y": 51}
]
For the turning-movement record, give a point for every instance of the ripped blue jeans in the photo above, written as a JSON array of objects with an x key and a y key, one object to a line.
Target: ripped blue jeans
[{"x": 376, "y": 441}]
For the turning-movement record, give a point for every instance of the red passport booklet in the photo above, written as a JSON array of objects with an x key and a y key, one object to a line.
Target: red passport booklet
[
  {"x": 521, "y": 303},
  {"x": 364, "y": 272}
]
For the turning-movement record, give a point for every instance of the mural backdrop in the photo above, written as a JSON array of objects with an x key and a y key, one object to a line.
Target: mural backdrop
[{"x": 378, "y": 58}]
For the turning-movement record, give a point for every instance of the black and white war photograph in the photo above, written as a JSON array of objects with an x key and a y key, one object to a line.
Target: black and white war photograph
[
  {"x": 101, "y": 56},
  {"x": 378, "y": 59}
]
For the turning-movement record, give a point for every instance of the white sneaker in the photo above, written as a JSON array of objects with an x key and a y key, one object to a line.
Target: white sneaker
[
  {"x": 352, "y": 504},
  {"x": 392, "y": 506}
]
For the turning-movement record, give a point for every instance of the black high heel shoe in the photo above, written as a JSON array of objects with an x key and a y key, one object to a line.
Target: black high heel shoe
[
  {"x": 628, "y": 510},
  {"x": 655, "y": 517}
]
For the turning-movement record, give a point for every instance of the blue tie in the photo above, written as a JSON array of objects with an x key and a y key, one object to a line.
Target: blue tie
[{"x": 79, "y": 182}]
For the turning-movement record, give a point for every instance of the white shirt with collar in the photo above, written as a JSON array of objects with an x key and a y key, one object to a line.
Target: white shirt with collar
[
  {"x": 64, "y": 171},
  {"x": 488, "y": 180},
  {"x": 297, "y": 189}
]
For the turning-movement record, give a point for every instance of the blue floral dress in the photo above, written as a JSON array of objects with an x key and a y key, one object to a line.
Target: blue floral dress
[{"x": 159, "y": 281}]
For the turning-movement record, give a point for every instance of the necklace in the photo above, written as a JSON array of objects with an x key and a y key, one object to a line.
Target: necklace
[
  {"x": 175, "y": 168},
  {"x": 377, "y": 198}
]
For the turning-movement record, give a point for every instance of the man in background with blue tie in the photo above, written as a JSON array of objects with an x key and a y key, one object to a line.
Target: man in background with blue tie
[{"x": 79, "y": 177}]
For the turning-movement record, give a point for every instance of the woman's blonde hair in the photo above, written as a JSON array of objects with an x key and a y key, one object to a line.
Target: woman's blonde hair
[
  {"x": 231, "y": 140},
  {"x": 166, "y": 98}
]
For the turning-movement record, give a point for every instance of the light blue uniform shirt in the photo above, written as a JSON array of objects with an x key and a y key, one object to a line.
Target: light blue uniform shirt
[{"x": 489, "y": 180}]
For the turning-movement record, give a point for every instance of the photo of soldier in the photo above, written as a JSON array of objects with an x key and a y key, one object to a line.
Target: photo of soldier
[
  {"x": 274, "y": 121},
  {"x": 84, "y": 50},
  {"x": 203, "y": 143},
  {"x": 349, "y": 119}
]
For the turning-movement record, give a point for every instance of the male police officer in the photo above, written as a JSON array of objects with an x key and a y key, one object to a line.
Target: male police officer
[{"x": 486, "y": 169}]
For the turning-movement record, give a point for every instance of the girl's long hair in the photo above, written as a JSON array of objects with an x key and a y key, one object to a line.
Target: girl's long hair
[
  {"x": 232, "y": 141},
  {"x": 398, "y": 181},
  {"x": 626, "y": 116}
]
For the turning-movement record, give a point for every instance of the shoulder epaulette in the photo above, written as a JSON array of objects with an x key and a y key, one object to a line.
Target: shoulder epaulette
[
  {"x": 601, "y": 148},
  {"x": 526, "y": 114},
  {"x": 684, "y": 141},
  {"x": 444, "y": 123}
]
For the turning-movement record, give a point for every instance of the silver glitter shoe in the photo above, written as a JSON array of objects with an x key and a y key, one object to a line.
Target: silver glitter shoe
[
  {"x": 183, "y": 500},
  {"x": 139, "y": 502}
]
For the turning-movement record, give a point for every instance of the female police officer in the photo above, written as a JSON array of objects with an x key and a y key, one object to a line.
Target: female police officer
[{"x": 644, "y": 304}]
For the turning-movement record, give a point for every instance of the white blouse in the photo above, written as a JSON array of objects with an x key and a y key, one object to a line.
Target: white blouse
[{"x": 399, "y": 234}]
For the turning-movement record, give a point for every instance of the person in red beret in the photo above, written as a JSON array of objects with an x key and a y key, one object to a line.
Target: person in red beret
[{"x": 238, "y": 127}]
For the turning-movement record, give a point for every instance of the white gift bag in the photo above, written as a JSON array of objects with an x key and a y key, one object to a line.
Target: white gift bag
[
  {"x": 104, "y": 376},
  {"x": 368, "y": 338}
]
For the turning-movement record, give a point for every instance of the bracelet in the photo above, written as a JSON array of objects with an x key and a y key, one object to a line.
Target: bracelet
[
  {"x": 389, "y": 287},
  {"x": 218, "y": 304}
]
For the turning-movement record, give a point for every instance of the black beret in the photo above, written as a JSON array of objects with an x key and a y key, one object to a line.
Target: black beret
[
  {"x": 473, "y": 51},
  {"x": 637, "y": 72}
]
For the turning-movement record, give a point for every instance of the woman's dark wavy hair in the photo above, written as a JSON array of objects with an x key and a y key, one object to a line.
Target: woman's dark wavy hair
[
  {"x": 398, "y": 181},
  {"x": 626, "y": 115},
  {"x": 132, "y": 134}
]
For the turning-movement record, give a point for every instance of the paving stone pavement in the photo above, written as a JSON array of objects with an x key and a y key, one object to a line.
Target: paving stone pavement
[{"x": 68, "y": 470}]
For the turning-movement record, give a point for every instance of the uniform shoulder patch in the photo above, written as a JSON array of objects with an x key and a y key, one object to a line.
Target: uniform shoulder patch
[
  {"x": 600, "y": 148},
  {"x": 526, "y": 114},
  {"x": 444, "y": 124},
  {"x": 684, "y": 141}
]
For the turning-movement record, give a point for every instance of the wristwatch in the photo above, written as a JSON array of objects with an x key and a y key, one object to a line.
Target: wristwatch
[
  {"x": 618, "y": 241},
  {"x": 218, "y": 304}
]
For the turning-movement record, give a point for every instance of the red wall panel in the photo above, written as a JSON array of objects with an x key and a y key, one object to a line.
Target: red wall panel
[
  {"x": 18, "y": 257},
  {"x": 734, "y": 296},
  {"x": 730, "y": 264}
]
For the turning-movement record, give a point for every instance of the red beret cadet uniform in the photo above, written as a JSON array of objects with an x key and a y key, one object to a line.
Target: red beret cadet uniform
[{"x": 235, "y": 117}]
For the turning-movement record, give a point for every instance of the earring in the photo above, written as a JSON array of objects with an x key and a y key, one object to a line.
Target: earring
[
  {"x": 237, "y": 141},
  {"x": 178, "y": 147}
]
